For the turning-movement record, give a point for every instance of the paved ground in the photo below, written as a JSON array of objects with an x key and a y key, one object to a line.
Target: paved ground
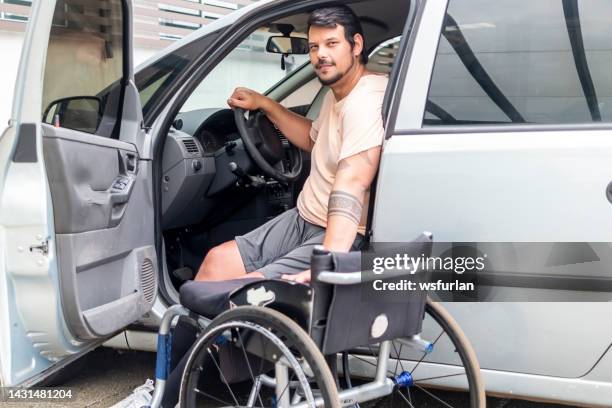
[{"x": 109, "y": 375}]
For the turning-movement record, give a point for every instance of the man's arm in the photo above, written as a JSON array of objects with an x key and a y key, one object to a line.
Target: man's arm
[
  {"x": 294, "y": 126},
  {"x": 354, "y": 177}
]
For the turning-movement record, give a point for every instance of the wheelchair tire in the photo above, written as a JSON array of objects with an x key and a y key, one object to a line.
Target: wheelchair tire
[
  {"x": 461, "y": 345},
  {"x": 465, "y": 351},
  {"x": 263, "y": 321}
]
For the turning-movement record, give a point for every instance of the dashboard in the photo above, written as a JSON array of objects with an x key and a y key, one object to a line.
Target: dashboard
[
  {"x": 199, "y": 153},
  {"x": 213, "y": 128},
  {"x": 195, "y": 165}
]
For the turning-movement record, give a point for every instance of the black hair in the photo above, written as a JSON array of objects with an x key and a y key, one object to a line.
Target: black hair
[{"x": 330, "y": 17}]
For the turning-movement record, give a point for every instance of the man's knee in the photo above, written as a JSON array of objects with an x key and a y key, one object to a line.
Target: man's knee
[
  {"x": 221, "y": 262},
  {"x": 210, "y": 264}
]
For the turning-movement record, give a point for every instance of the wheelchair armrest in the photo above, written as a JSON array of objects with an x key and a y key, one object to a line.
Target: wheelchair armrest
[
  {"x": 345, "y": 268},
  {"x": 351, "y": 278},
  {"x": 339, "y": 278}
]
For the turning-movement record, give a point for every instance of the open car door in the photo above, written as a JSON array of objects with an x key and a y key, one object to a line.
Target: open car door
[{"x": 77, "y": 255}]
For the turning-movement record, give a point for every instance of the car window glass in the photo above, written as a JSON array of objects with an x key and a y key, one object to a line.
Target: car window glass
[
  {"x": 84, "y": 56},
  {"x": 380, "y": 60},
  {"x": 304, "y": 95},
  {"x": 382, "y": 57},
  {"x": 153, "y": 86},
  {"x": 518, "y": 61},
  {"x": 248, "y": 65}
]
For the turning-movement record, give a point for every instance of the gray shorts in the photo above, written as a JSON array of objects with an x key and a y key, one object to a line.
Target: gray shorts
[{"x": 282, "y": 245}]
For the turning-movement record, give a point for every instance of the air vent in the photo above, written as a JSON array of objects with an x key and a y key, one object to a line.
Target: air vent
[
  {"x": 191, "y": 146},
  {"x": 282, "y": 137},
  {"x": 148, "y": 280}
]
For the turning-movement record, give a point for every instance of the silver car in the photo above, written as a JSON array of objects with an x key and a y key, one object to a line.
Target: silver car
[{"x": 115, "y": 181}]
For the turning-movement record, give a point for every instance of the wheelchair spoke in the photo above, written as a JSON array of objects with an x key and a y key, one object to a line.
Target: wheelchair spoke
[
  {"x": 249, "y": 365},
  {"x": 263, "y": 347},
  {"x": 425, "y": 354},
  {"x": 403, "y": 376},
  {"x": 409, "y": 397},
  {"x": 278, "y": 397},
  {"x": 267, "y": 339},
  {"x": 364, "y": 360},
  {"x": 398, "y": 357},
  {"x": 369, "y": 362},
  {"x": 433, "y": 396},
  {"x": 207, "y": 395},
  {"x": 440, "y": 376},
  {"x": 376, "y": 356},
  {"x": 404, "y": 398},
  {"x": 223, "y": 377}
]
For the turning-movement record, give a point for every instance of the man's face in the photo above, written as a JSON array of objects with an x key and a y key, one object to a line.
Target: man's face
[{"x": 330, "y": 53}]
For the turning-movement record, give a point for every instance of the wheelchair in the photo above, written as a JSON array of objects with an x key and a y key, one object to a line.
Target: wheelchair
[{"x": 275, "y": 343}]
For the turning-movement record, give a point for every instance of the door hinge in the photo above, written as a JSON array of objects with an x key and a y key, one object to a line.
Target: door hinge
[{"x": 43, "y": 247}]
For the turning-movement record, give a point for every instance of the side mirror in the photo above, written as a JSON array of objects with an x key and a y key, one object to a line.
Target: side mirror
[
  {"x": 76, "y": 112},
  {"x": 287, "y": 45}
]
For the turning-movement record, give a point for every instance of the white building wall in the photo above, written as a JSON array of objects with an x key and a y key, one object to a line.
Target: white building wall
[
  {"x": 151, "y": 33},
  {"x": 256, "y": 70},
  {"x": 10, "y": 46}
]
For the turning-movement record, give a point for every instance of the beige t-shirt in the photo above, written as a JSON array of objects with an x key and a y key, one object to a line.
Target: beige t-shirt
[{"x": 343, "y": 128}]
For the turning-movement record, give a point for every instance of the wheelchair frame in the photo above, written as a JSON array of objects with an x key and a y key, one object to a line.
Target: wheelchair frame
[
  {"x": 380, "y": 387},
  {"x": 382, "y": 384}
]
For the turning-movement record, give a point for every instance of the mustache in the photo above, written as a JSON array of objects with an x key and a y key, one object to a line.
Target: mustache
[{"x": 324, "y": 62}]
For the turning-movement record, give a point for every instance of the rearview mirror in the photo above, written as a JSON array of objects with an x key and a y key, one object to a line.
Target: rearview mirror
[
  {"x": 76, "y": 112},
  {"x": 287, "y": 45}
]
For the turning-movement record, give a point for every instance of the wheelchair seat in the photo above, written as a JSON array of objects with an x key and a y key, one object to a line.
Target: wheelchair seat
[
  {"x": 342, "y": 315},
  {"x": 210, "y": 299}
]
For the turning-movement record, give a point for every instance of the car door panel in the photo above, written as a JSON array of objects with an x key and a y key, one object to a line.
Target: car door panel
[
  {"x": 515, "y": 184},
  {"x": 466, "y": 188},
  {"x": 77, "y": 260},
  {"x": 93, "y": 197},
  {"x": 101, "y": 240}
]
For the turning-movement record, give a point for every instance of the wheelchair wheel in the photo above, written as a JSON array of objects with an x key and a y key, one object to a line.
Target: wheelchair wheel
[
  {"x": 262, "y": 358},
  {"x": 441, "y": 360}
]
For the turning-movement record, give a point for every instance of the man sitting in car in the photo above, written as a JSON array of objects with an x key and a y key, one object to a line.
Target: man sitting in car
[{"x": 344, "y": 142}]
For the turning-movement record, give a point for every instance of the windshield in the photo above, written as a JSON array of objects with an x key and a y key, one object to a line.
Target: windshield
[
  {"x": 153, "y": 80},
  {"x": 249, "y": 65}
]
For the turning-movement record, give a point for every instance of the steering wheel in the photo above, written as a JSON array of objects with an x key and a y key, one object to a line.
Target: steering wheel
[{"x": 263, "y": 143}]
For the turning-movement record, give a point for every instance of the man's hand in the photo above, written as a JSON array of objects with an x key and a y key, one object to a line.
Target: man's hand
[
  {"x": 302, "y": 277},
  {"x": 246, "y": 99},
  {"x": 294, "y": 126}
]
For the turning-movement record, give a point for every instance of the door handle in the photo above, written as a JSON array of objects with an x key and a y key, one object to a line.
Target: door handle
[
  {"x": 120, "y": 193},
  {"x": 130, "y": 160},
  {"x": 121, "y": 189}
]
